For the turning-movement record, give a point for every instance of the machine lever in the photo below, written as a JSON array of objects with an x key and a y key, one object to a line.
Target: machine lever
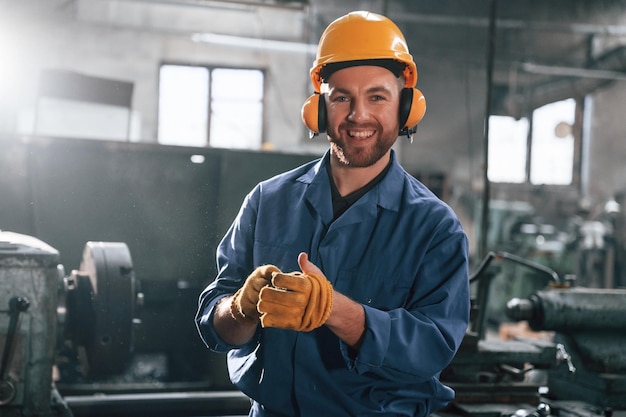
[
  {"x": 563, "y": 355},
  {"x": 17, "y": 305}
]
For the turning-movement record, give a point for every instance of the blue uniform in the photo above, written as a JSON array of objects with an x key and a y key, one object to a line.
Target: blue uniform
[{"x": 398, "y": 250}]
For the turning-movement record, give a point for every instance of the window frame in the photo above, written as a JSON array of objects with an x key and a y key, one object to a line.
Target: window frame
[
  {"x": 578, "y": 158},
  {"x": 210, "y": 68}
]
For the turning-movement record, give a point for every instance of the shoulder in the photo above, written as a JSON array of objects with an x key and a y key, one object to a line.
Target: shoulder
[
  {"x": 299, "y": 175},
  {"x": 409, "y": 191},
  {"x": 420, "y": 202}
]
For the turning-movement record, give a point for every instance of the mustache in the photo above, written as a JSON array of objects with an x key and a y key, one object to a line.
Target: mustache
[{"x": 353, "y": 125}]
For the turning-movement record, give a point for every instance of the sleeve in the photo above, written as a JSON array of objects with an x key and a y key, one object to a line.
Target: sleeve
[
  {"x": 416, "y": 342},
  {"x": 234, "y": 264}
]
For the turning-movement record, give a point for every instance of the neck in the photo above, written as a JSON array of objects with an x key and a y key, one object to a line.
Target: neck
[{"x": 349, "y": 179}]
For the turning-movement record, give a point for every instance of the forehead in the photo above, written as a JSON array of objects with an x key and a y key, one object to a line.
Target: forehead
[{"x": 364, "y": 76}]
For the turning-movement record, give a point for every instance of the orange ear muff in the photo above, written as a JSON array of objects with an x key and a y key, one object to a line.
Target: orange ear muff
[
  {"x": 412, "y": 108},
  {"x": 314, "y": 113}
]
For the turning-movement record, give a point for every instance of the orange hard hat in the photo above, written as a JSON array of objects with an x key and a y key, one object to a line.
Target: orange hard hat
[{"x": 361, "y": 36}]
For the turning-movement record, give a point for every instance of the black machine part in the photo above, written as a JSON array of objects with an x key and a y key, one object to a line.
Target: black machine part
[
  {"x": 100, "y": 303},
  {"x": 572, "y": 309},
  {"x": 17, "y": 305},
  {"x": 590, "y": 323}
]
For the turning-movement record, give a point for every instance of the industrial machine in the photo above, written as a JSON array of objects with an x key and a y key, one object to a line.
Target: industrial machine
[
  {"x": 570, "y": 362},
  {"x": 29, "y": 287},
  {"x": 68, "y": 339},
  {"x": 590, "y": 336},
  {"x": 90, "y": 311}
]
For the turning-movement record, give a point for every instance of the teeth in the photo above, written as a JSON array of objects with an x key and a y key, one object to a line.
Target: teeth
[{"x": 361, "y": 134}]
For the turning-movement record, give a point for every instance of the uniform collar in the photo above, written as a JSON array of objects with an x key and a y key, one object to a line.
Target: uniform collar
[{"x": 387, "y": 194}]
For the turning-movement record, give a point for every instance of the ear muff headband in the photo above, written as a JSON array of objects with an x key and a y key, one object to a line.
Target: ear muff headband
[{"x": 411, "y": 111}]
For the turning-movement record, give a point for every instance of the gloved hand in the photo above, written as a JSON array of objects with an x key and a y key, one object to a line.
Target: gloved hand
[
  {"x": 243, "y": 307},
  {"x": 296, "y": 301}
]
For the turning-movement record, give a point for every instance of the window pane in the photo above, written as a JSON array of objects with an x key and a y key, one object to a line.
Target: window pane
[
  {"x": 552, "y": 155},
  {"x": 183, "y": 105},
  {"x": 230, "y": 130},
  {"x": 507, "y": 149},
  {"x": 236, "y": 108},
  {"x": 237, "y": 84}
]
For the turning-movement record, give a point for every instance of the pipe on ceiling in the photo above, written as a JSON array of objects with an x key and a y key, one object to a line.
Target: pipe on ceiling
[{"x": 565, "y": 82}]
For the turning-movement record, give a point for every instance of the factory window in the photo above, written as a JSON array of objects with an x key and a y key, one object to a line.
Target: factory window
[
  {"x": 545, "y": 156},
  {"x": 507, "y": 149},
  {"x": 218, "y": 107},
  {"x": 552, "y": 149}
]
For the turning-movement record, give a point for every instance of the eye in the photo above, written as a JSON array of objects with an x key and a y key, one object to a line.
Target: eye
[
  {"x": 340, "y": 99},
  {"x": 378, "y": 98}
]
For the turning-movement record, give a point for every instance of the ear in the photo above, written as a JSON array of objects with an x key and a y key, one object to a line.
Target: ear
[
  {"x": 412, "y": 108},
  {"x": 314, "y": 113}
]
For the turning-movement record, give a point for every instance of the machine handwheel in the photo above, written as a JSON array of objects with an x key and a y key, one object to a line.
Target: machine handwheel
[{"x": 101, "y": 298}]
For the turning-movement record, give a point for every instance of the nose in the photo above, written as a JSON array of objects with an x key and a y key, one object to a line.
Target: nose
[{"x": 358, "y": 111}]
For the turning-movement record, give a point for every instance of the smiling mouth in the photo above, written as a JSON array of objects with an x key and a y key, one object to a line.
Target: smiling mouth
[{"x": 361, "y": 134}]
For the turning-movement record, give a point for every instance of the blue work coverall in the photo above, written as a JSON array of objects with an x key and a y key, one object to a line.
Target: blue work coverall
[{"x": 398, "y": 250}]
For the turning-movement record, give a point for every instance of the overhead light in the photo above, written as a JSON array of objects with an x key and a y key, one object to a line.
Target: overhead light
[{"x": 254, "y": 43}]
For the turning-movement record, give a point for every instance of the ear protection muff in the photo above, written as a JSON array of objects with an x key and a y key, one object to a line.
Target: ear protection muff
[
  {"x": 314, "y": 114},
  {"x": 411, "y": 111}
]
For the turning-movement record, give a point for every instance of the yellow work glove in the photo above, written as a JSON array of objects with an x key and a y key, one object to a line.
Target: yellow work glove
[
  {"x": 243, "y": 307},
  {"x": 296, "y": 301}
]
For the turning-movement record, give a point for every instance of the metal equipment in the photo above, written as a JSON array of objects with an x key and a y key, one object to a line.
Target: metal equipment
[
  {"x": 494, "y": 376},
  {"x": 100, "y": 300},
  {"x": 68, "y": 341},
  {"x": 590, "y": 334},
  {"x": 96, "y": 319},
  {"x": 579, "y": 369},
  {"x": 29, "y": 286}
]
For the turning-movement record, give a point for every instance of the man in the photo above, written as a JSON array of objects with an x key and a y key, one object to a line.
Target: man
[{"x": 343, "y": 284}]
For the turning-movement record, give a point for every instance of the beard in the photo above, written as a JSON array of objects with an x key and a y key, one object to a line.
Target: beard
[{"x": 361, "y": 156}]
